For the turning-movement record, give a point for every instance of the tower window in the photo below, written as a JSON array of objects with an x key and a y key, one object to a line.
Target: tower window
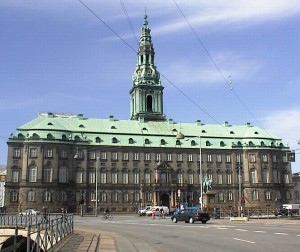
[{"x": 149, "y": 103}]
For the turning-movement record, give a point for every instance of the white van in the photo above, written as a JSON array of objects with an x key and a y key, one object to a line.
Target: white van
[{"x": 157, "y": 210}]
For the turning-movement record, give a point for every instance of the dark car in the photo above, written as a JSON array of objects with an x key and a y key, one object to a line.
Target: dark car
[{"x": 190, "y": 215}]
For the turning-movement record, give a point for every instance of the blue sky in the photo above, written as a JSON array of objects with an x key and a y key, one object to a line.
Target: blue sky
[{"x": 56, "y": 56}]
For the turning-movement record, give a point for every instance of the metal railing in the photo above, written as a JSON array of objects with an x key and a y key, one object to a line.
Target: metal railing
[
  {"x": 219, "y": 213},
  {"x": 36, "y": 232}
]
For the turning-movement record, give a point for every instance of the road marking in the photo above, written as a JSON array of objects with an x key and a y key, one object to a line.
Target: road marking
[
  {"x": 258, "y": 231},
  {"x": 243, "y": 230},
  {"x": 243, "y": 240},
  {"x": 281, "y": 233},
  {"x": 222, "y": 228}
]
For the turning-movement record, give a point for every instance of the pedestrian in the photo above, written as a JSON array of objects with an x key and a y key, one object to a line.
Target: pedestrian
[{"x": 45, "y": 217}]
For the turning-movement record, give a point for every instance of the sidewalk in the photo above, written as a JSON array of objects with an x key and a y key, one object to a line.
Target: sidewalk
[{"x": 79, "y": 241}]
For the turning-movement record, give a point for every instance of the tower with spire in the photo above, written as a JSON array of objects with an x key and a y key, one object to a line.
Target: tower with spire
[{"x": 146, "y": 94}]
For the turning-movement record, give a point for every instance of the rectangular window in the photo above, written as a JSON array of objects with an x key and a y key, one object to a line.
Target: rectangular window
[
  {"x": 125, "y": 178},
  {"x": 114, "y": 178},
  {"x": 148, "y": 196},
  {"x": 48, "y": 153},
  {"x": 252, "y": 158},
  {"x": 92, "y": 155},
  {"x": 229, "y": 178},
  {"x": 33, "y": 152},
  {"x": 238, "y": 158},
  {"x": 31, "y": 196},
  {"x": 47, "y": 175},
  {"x": 284, "y": 159},
  {"x": 63, "y": 154},
  {"x": 274, "y": 159},
  {"x": 47, "y": 196},
  {"x": 190, "y": 178},
  {"x": 268, "y": 195},
  {"x": 219, "y": 158},
  {"x": 209, "y": 158},
  {"x": 92, "y": 177},
  {"x": 136, "y": 156},
  {"x": 114, "y": 155},
  {"x": 157, "y": 157},
  {"x": 230, "y": 196},
  {"x": 79, "y": 154},
  {"x": 180, "y": 178},
  {"x": 15, "y": 176},
  {"x": 169, "y": 157},
  {"x": 179, "y": 157},
  {"x": 228, "y": 158},
  {"x": 190, "y": 157},
  {"x": 220, "y": 178},
  {"x": 32, "y": 174},
  {"x": 103, "y": 155},
  {"x": 16, "y": 152},
  {"x": 79, "y": 177},
  {"x": 62, "y": 175},
  {"x": 264, "y": 158},
  {"x": 125, "y": 156},
  {"x": 286, "y": 178},
  {"x": 147, "y": 178},
  {"x": 103, "y": 178},
  {"x": 147, "y": 156},
  {"x": 136, "y": 178},
  {"x": 265, "y": 177}
]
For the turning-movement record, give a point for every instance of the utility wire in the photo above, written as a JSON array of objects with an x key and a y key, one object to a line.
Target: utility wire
[
  {"x": 185, "y": 95},
  {"x": 128, "y": 20},
  {"x": 216, "y": 66}
]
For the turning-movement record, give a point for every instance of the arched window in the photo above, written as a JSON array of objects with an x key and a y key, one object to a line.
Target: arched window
[
  {"x": 35, "y": 136},
  {"x": 239, "y": 143},
  {"x": 178, "y": 142},
  {"x": 251, "y": 143},
  {"x": 98, "y": 140},
  {"x": 64, "y": 137},
  {"x": 149, "y": 103},
  {"x": 77, "y": 138},
  {"x": 193, "y": 143},
  {"x": 21, "y": 136},
  {"x": 262, "y": 143}
]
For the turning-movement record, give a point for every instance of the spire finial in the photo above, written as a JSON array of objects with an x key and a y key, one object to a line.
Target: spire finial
[{"x": 145, "y": 18}]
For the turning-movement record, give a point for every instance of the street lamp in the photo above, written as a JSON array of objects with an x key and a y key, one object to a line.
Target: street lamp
[
  {"x": 181, "y": 136},
  {"x": 96, "y": 185},
  {"x": 178, "y": 194},
  {"x": 200, "y": 171}
]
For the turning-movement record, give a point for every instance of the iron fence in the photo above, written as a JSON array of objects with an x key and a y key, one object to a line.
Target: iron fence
[{"x": 34, "y": 233}]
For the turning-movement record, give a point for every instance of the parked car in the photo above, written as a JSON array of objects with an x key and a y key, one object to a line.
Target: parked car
[
  {"x": 190, "y": 215},
  {"x": 29, "y": 212},
  {"x": 142, "y": 211}
]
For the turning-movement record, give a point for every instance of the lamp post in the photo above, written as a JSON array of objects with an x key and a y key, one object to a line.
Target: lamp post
[
  {"x": 200, "y": 173},
  {"x": 178, "y": 194},
  {"x": 96, "y": 185}
]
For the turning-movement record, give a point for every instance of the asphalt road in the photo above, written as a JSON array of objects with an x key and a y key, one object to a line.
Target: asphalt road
[{"x": 134, "y": 233}]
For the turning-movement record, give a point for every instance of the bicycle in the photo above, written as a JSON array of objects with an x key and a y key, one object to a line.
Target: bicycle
[{"x": 107, "y": 217}]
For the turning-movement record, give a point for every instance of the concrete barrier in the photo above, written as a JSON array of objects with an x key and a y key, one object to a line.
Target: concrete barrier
[{"x": 239, "y": 219}]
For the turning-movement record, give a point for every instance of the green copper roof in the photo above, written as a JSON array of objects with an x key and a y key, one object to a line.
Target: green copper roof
[{"x": 51, "y": 127}]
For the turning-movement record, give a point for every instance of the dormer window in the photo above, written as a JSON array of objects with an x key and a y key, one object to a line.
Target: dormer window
[
  {"x": 147, "y": 141},
  {"x": 130, "y": 141},
  {"x": 113, "y": 127},
  {"x": 81, "y": 126},
  {"x": 162, "y": 142},
  {"x": 114, "y": 140},
  {"x": 207, "y": 143}
]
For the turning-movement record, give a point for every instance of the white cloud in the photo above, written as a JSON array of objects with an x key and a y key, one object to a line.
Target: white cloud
[
  {"x": 186, "y": 73},
  {"x": 285, "y": 124}
]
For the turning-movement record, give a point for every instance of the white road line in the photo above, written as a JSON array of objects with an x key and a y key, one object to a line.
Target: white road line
[
  {"x": 281, "y": 233},
  {"x": 222, "y": 228},
  {"x": 243, "y": 240},
  {"x": 243, "y": 230},
  {"x": 258, "y": 231}
]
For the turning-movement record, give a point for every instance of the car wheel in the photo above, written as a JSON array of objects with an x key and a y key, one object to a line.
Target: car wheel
[
  {"x": 174, "y": 220},
  {"x": 191, "y": 220},
  {"x": 204, "y": 221}
]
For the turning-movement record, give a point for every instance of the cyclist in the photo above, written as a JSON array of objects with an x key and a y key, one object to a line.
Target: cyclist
[{"x": 106, "y": 212}]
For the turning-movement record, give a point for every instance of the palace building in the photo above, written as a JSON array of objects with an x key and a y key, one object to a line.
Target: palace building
[{"x": 63, "y": 160}]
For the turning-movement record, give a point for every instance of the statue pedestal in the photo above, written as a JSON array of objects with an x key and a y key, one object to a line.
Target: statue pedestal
[{"x": 208, "y": 200}]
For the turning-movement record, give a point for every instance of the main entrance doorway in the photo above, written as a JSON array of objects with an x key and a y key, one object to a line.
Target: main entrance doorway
[{"x": 165, "y": 200}]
